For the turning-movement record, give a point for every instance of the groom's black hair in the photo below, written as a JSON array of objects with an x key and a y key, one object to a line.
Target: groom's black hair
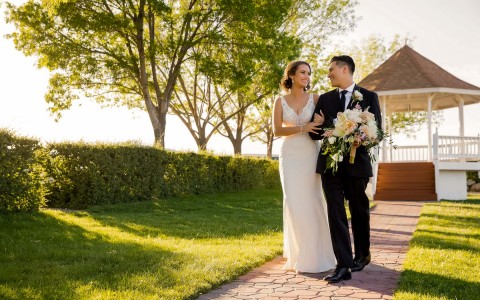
[{"x": 344, "y": 60}]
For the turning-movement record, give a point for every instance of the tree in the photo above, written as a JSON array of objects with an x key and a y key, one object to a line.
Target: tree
[
  {"x": 237, "y": 118},
  {"x": 314, "y": 23},
  {"x": 124, "y": 52},
  {"x": 224, "y": 79},
  {"x": 317, "y": 23},
  {"x": 237, "y": 114},
  {"x": 194, "y": 105},
  {"x": 264, "y": 130},
  {"x": 372, "y": 52}
]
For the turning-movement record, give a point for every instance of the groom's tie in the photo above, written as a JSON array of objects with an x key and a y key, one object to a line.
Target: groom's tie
[{"x": 343, "y": 99}]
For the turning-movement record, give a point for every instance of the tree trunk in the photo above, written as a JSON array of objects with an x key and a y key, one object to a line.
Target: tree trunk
[
  {"x": 160, "y": 126},
  {"x": 269, "y": 147},
  {"x": 202, "y": 140},
  {"x": 158, "y": 123},
  {"x": 237, "y": 146}
]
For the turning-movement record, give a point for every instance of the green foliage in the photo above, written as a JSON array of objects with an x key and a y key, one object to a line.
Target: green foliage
[
  {"x": 224, "y": 79},
  {"x": 21, "y": 173},
  {"x": 444, "y": 254},
  {"x": 410, "y": 122},
  {"x": 175, "y": 248},
  {"x": 84, "y": 175},
  {"x": 132, "y": 53},
  {"x": 473, "y": 175},
  {"x": 79, "y": 175},
  {"x": 317, "y": 23},
  {"x": 372, "y": 51},
  {"x": 313, "y": 23}
]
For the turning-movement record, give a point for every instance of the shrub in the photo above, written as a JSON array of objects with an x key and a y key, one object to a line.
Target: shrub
[
  {"x": 473, "y": 175},
  {"x": 21, "y": 173},
  {"x": 81, "y": 175},
  {"x": 78, "y": 175}
]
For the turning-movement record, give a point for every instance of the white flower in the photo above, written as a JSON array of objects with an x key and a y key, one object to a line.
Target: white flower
[
  {"x": 332, "y": 139},
  {"x": 372, "y": 131},
  {"x": 337, "y": 157},
  {"x": 357, "y": 96}
]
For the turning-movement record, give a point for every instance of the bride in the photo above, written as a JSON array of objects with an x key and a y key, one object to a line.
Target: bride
[{"x": 307, "y": 245}]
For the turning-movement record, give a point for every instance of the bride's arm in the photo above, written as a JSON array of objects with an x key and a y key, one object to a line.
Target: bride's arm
[{"x": 280, "y": 130}]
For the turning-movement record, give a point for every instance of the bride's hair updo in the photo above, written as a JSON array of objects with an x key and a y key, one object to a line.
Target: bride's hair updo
[{"x": 286, "y": 83}]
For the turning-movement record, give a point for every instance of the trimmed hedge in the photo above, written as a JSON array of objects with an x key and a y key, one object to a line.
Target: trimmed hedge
[
  {"x": 84, "y": 175},
  {"x": 78, "y": 175},
  {"x": 21, "y": 174}
]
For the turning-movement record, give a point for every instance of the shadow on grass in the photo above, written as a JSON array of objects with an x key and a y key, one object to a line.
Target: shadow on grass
[
  {"x": 424, "y": 239},
  {"x": 43, "y": 257},
  {"x": 433, "y": 286},
  {"x": 432, "y": 234},
  {"x": 449, "y": 234},
  {"x": 199, "y": 217},
  {"x": 457, "y": 221}
]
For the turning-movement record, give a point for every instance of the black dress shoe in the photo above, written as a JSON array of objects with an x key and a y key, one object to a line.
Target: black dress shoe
[
  {"x": 360, "y": 263},
  {"x": 339, "y": 275}
]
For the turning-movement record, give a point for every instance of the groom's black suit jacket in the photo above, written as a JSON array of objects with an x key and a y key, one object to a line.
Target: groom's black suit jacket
[{"x": 330, "y": 104}]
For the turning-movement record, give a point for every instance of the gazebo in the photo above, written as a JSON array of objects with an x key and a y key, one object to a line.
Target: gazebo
[{"x": 407, "y": 81}]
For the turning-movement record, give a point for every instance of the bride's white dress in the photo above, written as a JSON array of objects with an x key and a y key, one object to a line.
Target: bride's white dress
[{"x": 307, "y": 243}]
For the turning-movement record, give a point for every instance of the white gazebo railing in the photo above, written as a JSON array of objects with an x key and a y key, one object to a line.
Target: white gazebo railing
[
  {"x": 452, "y": 157},
  {"x": 405, "y": 154},
  {"x": 444, "y": 148},
  {"x": 456, "y": 148}
]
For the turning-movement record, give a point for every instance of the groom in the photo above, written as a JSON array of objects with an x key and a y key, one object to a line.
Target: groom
[{"x": 350, "y": 181}]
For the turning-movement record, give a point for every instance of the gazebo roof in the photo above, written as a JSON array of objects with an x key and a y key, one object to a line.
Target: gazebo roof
[{"x": 407, "y": 79}]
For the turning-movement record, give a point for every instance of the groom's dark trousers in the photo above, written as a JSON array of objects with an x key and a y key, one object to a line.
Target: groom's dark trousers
[{"x": 349, "y": 182}]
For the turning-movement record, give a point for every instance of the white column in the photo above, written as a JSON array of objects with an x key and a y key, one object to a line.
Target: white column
[
  {"x": 462, "y": 128},
  {"x": 460, "y": 115},
  {"x": 390, "y": 131},
  {"x": 384, "y": 124},
  {"x": 429, "y": 116},
  {"x": 436, "y": 164}
]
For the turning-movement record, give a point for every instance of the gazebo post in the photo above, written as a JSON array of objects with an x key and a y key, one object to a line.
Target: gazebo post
[
  {"x": 429, "y": 116},
  {"x": 462, "y": 127},
  {"x": 384, "y": 124},
  {"x": 390, "y": 148},
  {"x": 460, "y": 115}
]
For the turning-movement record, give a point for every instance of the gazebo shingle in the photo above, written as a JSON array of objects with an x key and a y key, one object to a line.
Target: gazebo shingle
[{"x": 407, "y": 69}]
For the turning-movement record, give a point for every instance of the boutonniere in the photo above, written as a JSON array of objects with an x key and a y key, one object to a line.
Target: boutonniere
[{"x": 357, "y": 96}]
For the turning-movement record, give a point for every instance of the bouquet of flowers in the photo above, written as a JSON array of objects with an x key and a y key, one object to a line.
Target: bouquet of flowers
[{"x": 352, "y": 128}]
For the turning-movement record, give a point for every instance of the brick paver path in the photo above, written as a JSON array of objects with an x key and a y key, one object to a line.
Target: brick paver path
[{"x": 392, "y": 224}]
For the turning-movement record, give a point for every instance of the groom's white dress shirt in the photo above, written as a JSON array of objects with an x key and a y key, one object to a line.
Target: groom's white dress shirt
[{"x": 349, "y": 93}]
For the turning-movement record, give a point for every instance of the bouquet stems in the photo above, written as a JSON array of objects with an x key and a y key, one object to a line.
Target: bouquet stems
[{"x": 353, "y": 151}]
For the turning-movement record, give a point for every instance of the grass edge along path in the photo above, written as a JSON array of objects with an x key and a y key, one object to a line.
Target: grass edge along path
[
  {"x": 443, "y": 260},
  {"x": 166, "y": 249}
]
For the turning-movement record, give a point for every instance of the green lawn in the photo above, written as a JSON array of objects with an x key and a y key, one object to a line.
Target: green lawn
[
  {"x": 179, "y": 248},
  {"x": 171, "y": 249},
  {"x": 443, "y": 261}
]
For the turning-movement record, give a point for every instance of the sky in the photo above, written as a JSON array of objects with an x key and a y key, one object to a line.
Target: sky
[{"x": 444, "y": 31}]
